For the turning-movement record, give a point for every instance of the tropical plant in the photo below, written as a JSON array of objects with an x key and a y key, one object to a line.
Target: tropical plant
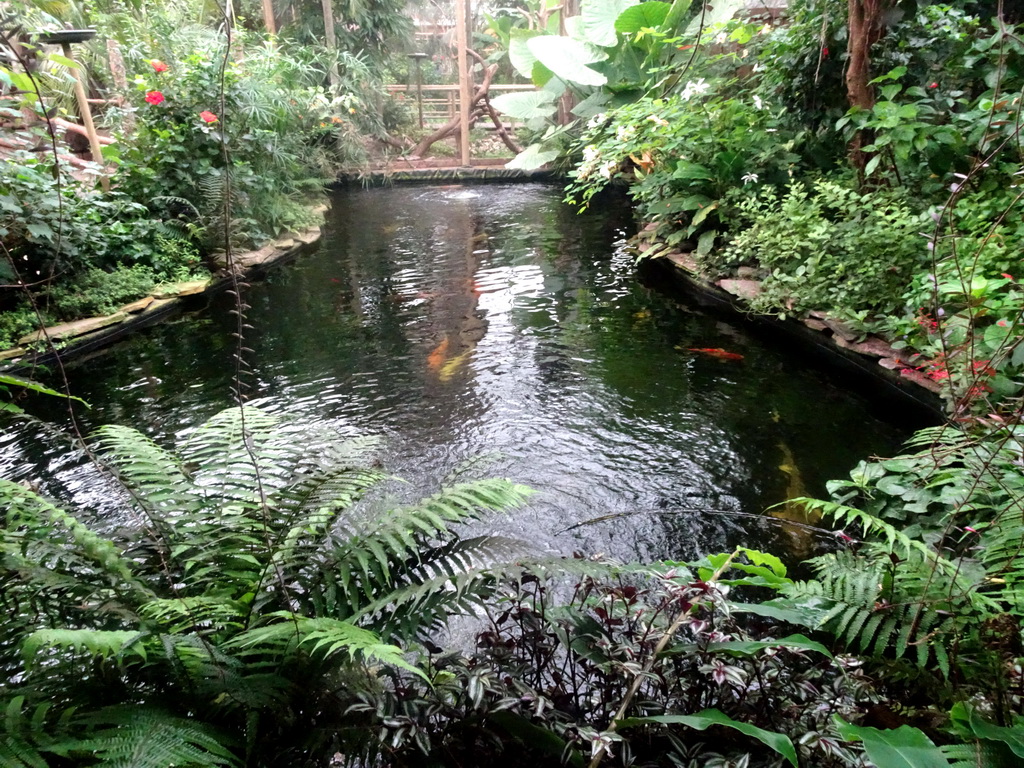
[
  {"x": 827, "y": 247},
  {"x": 226, "y": 615},
  {"x": 632, "y": 664}
]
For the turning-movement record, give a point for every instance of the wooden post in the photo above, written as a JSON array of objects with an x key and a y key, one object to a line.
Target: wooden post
[
  {"x": 268, "y": 17},
  {"x": 330, "y": 39},
  {"x": 83, "y": 107},
  {"x": 465, "y": 95}
]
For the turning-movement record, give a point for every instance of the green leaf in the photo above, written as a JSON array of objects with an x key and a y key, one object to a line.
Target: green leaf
[
  {"x": 902, "y": 747},
  {"x": 594, "y": 104},
  {"x": 750, "y": 647},
  {"x": 599, "y": 20},
  {"x": 645, "y": 15},
  {"x": 722, "y": 11},
  {"x": 63, "y": 60},
  {"x": 568, "y": 58},
  {"x": 526, "y": 106},
  {"x": 703, "y": 720},
  {"x": 13, "y": 381},
  {"x": 706, "y": 242},
  {"x": 519, "y": 52},
  {"x": 532, "y": 158}
]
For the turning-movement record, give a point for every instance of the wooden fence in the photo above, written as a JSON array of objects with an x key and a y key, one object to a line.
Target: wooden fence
[{"x": 441, "y": 102}]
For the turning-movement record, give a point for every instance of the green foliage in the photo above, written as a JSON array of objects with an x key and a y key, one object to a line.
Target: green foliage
[
  {"x": 827, "y": 247},
  {"x": 681, "y": 155},
  {"x": 97, "y": 292},
  {"x": 549, "y": 674},
  {"x": 230, "y": 611}
]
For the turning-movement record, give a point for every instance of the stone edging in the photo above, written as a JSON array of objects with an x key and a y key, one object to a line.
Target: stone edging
[
  {"x": 376, "y": 178},
  {"x": 872, "y": 355},
  {"x": 89, "y": 333}
]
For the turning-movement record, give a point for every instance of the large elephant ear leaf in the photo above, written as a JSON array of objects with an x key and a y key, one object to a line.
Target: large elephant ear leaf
[
  {"x": 519, "y": 52},
  {"x": 525, "y": 106},
  {"x": 649, "y": 15},
  {"x": 568, "y": 58},
  {"x": 532, "y": 158},
  {"x": 599, "y": 17}
]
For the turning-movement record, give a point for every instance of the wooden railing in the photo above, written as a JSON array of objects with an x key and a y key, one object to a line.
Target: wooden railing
[{"x": 441, "y": 102}]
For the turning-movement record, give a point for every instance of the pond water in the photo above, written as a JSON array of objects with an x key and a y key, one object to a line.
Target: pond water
[{"x": 494, "y": 321}]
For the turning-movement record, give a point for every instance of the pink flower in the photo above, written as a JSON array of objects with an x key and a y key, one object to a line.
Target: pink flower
[
  {"x": 158, "y": 66},
  {"x": 824, "y": 53},
  {"x": 207, "y": 117},
  {"x": 934, "y": 85},
  {"x": 154, "y": 97},
  {"x": 1007, "y": 276}
]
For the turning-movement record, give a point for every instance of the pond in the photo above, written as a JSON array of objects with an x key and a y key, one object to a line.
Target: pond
[{"x": 495, "y": 322}]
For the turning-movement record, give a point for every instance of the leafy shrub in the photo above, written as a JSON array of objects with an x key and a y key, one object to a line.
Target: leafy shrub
[
  {"x": 827, "y": 247},
  {"x": 52, "y": 223},
  {"x": 661, "y": 651},
  {"x": 682, "y": 154},
  {"x": 98, "y": 292}
]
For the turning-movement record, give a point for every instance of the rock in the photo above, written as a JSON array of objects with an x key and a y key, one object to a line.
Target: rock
[
  {"x": 157, "y": 304},
  {"x": 8, "y": 354},
  {"x": 841, "y": 329},
  {"x": 871, "y": 347},
  {"x": 252, "y": 258},
  {"x": 744, "y": 289},
  {"x": 891, "y": 363},
  {"x": 137, "y": 306},
  {"x": 813, "y": 324},
  {"x": 285, "y": 243},
  {"x": 180, "y": 289},
  {"x": 817, "y": 314},
  {"x": 75, "y": 328},
  {"x": 310, "y": 235},
  {"x": 747, "y": 273},
  {"x": 683, "y": 261},
  {"x": 919, "y": 378}
]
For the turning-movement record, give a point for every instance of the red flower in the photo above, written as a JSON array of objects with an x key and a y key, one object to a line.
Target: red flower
[
  {"x": 158, "y": 66},
  {"x": 824, "y": 53},
  {"x": 1007, "y": 276},
  {"x": 934, "y": 85},
  {"x": 207, "y": 117},
  {"x": 154, "y": 97}
]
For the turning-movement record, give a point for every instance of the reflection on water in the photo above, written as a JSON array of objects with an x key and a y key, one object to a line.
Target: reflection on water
[{"x": 459, "y": 322}]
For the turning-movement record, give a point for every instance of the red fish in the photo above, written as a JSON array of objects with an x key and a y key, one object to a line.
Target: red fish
[{"x": 716, "y": 352}]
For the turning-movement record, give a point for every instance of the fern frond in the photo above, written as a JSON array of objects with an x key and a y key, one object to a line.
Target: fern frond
[
  {"x": 322, "y": 638},
  {"x": 102, "y": 644},
  {"x": 895, "y": 538},
  {"x": 154, "y": 473},
  {"x": 37, "y": 534},
  {"x": 143, "y": 737}
]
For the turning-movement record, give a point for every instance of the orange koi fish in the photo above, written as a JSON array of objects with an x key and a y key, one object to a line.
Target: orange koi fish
[
  {"x": 437, "y": 357},
  {"x": 716, "y": 352}
]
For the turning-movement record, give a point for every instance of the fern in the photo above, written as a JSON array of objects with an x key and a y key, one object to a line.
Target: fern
[
  {"x": 150, "y": 738},
  {"x": 871, "y": 613}
]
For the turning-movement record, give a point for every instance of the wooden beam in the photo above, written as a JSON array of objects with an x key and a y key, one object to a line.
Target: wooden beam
[{"x": 465, "y": 95}]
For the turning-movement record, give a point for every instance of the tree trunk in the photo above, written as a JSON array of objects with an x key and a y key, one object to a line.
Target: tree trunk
[
  {"x": 330, "y": 40},
  {"x": 865, "y": 29}
]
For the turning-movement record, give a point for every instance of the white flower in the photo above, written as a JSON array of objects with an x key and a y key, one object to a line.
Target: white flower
[
  {"x": 659, "y": 122},
  {"x": 721, "y": 38},
  {"x": 750, "y": 177},
  {"x": 608, "y": 168},
  {"x": 597, "y": 120},
  {"x": 758, "y": 104},
  {"x": 591, "y": 153},
  {"x": 625, "y": 132},
  {"x": 694, "y": 88}
]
